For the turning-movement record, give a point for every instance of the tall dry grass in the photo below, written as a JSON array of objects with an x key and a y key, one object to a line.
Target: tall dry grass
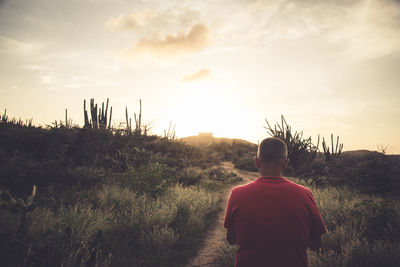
[{"x": 137, "y": 230}]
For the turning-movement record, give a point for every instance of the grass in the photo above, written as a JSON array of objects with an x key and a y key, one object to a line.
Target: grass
[
  {"x": 363, "y": 230},
  {"x": 104, "y": 198},
  {"x": 137, "y": 230}
]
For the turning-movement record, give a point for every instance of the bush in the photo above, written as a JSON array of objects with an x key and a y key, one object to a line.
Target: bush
[
  {"x": 219, "y": 174},
  {"x": 159, "y": 232},
  {"x": 245, "y": 163},
  {"x": 32, "y": 155},
  {"x": 383, "y": 220},
  {"x": 371, "y": 172},
  {"x": 240, "y": 152},
  {"x": 104, "y": 198},
  {"x": 190, "y": 176},
  {"x": 70, "y": 236},
  {"x": 117, "y": 226},
  {"x": 152, "y": 179}
]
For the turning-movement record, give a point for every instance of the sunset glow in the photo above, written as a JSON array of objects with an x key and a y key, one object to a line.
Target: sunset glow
[{"x": 209, "y": 66}]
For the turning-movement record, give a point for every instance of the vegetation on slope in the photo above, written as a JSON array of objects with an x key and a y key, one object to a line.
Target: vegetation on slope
[{"x": 105, "y": 197}]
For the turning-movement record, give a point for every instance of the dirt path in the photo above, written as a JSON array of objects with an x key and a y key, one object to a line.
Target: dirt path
[{"x": 216, "y": 234}]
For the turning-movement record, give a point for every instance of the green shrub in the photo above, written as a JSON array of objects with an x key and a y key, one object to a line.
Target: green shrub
[
  {"x": 240, "y": 152},
  {"x": 118, "y": 226},
  {"x": 383, "y": 220},
  {"x": 209, "y": 185},
  {"x": 161, "y": 231},
  {"x": 371, "y": 172},
  {"x": 152, "y": 179},
  {"x": 69, "y": 236},
  {"x": 31, "y": 155},
  {"x": 190, "y": 176},
  {"x": 245, "y": 163},
  {"x": 217, "y": 173}
]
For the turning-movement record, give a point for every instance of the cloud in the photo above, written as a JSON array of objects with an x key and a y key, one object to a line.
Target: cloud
[
  {"x": 358, "y": 30},
  {"x": 35, "y": 67},
  {"x": 10, "y": 45},
  {"x": 372, "y": 31},
  {"x": 196, "y": 39},
  {"x": 57, "y": 82},
  {"x": 201, "y": 74},
  {"x": 122, "y": 22},
  {"x": 361, "y": 30},
  {"x": 47, "y": 79},
  {"x": 150, "y": 19}
]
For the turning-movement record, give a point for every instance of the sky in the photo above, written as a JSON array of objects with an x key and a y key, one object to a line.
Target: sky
[{"x": 209, "y": 66}]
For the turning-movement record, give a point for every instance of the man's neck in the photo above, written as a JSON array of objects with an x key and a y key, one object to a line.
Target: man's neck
[{"x": 271, "y": 173}]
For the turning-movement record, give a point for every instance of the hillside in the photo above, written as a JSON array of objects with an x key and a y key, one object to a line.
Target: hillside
[
  {"x": 88, "y": 196},
  {"x": 208, "y": 139},
  {"x": 102, "y": 197}
]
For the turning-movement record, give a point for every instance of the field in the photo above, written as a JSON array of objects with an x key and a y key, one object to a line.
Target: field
[
  {"x": 74, "y": 196},
  {"x": 90, "y": 197}
]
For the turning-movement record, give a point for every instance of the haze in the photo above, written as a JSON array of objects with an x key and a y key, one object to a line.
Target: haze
[{"x": 209, "y": 66}]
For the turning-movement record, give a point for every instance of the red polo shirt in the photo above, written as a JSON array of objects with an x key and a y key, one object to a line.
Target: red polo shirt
[{"x": 274, "y": 220}]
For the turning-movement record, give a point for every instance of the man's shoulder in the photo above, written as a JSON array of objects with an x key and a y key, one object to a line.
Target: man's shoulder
[
  {"x": 300, "y": 191},
  {"x": 297, "y": 186},
  {"x": 291, "y": 186},
  {"x": 243, "y": 187}
]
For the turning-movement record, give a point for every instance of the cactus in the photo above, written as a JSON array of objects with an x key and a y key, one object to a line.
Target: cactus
[
  {"x": 139, "y": 128},
  {"x": 128, "y": 122},
  {"x": 93, "y": 112},
  {"x": 16, "y": 122},
  {"x": 66, "y": 118},
  {"x": 138, "y": 121},
  {"x": 170, "y": 134},
  {"x": 109, "y": 120},
  {"x": 333, "y": 152},
  {"x": 4, "y": 117},
  {"x": 300, "y": 150},
  {"x": 68, "y": 122},
  {"x": 85, "y": 114},
  {"x": 103, "y": 116},
  {"x": 98, "y": 115}
]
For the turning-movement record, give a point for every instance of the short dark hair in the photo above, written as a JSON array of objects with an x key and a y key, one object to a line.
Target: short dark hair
[{"x": 272, "y": 149}]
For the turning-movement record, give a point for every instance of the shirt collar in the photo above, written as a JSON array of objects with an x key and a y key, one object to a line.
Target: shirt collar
[{"x": 270, "y": 178}]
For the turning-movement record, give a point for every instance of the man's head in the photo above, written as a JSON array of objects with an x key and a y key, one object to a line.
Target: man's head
[{"x": 272, "y": 156}]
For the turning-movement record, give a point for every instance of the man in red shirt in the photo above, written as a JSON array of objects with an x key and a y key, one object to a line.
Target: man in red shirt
[{"x": 272, "y": 219}]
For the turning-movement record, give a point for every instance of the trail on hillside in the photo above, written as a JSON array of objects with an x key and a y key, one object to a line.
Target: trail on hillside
[{"x": 216, "y": 234}]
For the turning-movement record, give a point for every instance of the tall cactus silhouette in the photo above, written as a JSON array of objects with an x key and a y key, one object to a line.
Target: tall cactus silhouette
[
  {"x": 98, "y": 115},
  {"x": 138, "y": 120},
  {"x": 300, "y": 150},
  {"x": 139, "y": 128},
  {"x": 334, "y": 151},
  {"x": 85, "y": 115}
]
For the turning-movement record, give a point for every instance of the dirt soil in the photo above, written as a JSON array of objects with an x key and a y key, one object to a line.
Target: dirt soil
[{"x": 216, "y": 234}]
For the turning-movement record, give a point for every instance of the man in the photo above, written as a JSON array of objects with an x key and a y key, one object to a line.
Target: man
[{"x": 272, "y": 219}]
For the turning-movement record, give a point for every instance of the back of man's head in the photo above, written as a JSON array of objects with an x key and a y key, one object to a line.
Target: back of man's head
[{"x": 271, "y": 150}]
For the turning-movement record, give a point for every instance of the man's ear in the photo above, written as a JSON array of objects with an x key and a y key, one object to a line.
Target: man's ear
[
  {"x": 257, "y": 162},
  {"x": 286, "y": 164}
]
